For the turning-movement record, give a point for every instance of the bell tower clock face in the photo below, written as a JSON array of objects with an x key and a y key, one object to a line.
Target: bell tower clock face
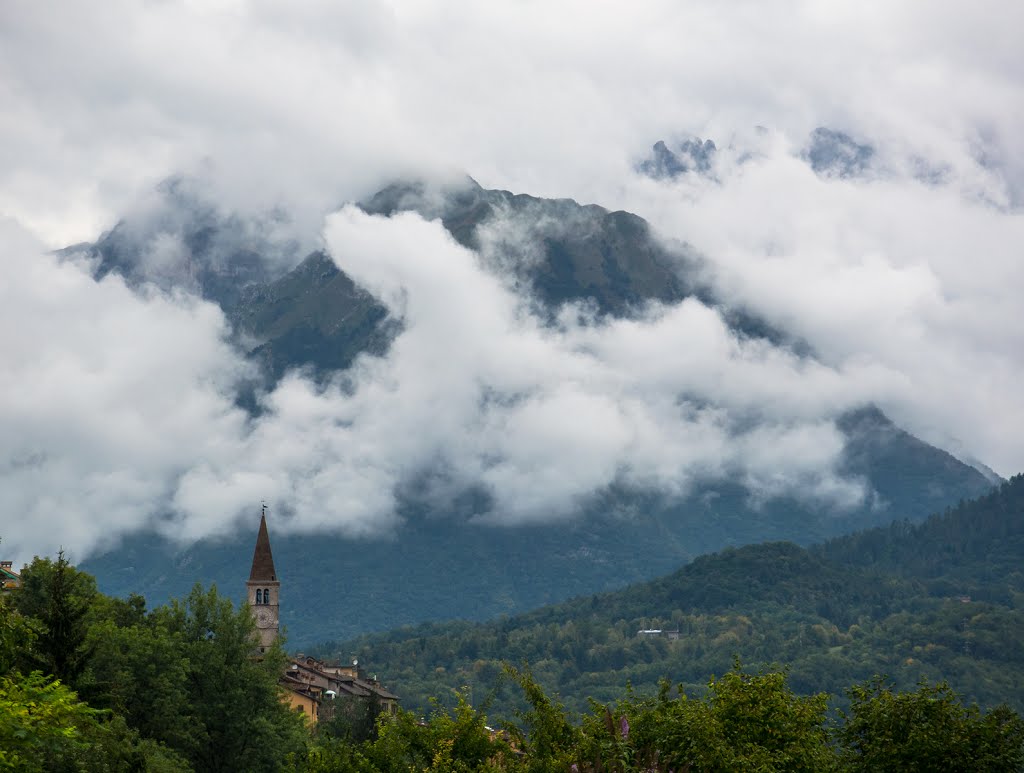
[{"x": 264, "y": 617}]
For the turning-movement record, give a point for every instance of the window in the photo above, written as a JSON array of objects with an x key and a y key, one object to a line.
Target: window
[
  {"x": 266, "y": 595},
  {"x": 259, "y": 596}
]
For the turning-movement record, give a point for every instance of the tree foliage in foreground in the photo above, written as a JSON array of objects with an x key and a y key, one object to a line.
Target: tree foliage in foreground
[
  {"x": 927, "y": 729},
  {"x": 57, "y": 598},
  {"x": 89, "y": 682},
  {"x": 178, "y": 689},
  {"x": 744, "y": 722}
]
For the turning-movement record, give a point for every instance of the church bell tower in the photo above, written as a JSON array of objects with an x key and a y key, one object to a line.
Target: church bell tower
[{"x": 264, "y": 588}]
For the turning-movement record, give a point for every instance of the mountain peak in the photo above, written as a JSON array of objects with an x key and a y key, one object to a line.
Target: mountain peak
[
  {"x": 691, "y": 155},
  {"x": 832, "y": 152}
]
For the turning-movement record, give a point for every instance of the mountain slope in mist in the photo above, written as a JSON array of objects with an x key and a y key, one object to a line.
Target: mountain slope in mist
[
  {"x": 439, "y": 567},
  {"x": 293, "y": 312}
]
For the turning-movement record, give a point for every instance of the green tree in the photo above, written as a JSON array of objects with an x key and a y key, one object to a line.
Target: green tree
[
  {"x": 350, "y": 718},
  {"x": 333, "y": 755},
  {"x": 551, "y": 742},
  {"x": 927, "y": 729},
  {"x": 58, "y": 598},
  {"x": 39, "y": 723},
  {"x": 238, "y": 720},
  {"x": 142, "y": 673},
  {"x": 455, "y": 741},
  {"x": 16, "y": 636},
  {"x": 746, "y": 722},
  {"x": 44, "y": 727}
]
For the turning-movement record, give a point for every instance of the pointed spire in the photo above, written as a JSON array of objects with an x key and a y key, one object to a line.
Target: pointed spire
[{"x": 262, "y": 559}]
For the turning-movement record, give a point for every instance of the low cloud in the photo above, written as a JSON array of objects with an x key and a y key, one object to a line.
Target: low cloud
[
  {"x": 917, "y": 279},
  {"x": 128, "y": 418},
  {"x": 106, "y": 397},
  {"x": 477, "y": 392},
  {"x": 118, "y": 403}
]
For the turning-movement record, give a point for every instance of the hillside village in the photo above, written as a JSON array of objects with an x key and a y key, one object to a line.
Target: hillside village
[{"x": 311, "y": 686}]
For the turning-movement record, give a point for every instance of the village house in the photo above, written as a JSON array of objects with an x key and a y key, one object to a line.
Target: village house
[
  {"x": 9, "y": 579},
  {"x": 311, "y": 686},
  {"x": 308, "y": 677}
]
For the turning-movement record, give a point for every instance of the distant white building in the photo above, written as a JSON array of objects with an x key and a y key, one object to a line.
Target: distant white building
[{"x": 653, "y": 632}]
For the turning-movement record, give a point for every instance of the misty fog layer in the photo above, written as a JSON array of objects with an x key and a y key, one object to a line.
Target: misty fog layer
[{"x": 901, "y": 272}]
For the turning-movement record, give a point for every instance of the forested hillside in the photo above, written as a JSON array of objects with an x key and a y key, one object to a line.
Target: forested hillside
[{"x": 943, "y": 599}]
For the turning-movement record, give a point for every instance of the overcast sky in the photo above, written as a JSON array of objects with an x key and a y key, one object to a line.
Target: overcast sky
[{"x": 907, "y": 280}]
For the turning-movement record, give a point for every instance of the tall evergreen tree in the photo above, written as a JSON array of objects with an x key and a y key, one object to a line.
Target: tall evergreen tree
[{"x": 57, "y": 597}]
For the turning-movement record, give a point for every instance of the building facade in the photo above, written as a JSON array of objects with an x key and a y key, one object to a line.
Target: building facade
[
  {"x": 9, "y": 579},
  {"x": 333, "y": 682}
]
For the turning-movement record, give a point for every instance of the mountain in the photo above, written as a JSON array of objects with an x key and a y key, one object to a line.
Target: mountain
[
  {"x": 690, "y": 155},
  {"x": 290, "y": 312},
  {"x": 314, "y": 316},
  {"x": 179, "y": 239},
  {"x": 831, "y": 152},
  {"x": 939, "y": 600},
  {"x": 586, "y": 253}
]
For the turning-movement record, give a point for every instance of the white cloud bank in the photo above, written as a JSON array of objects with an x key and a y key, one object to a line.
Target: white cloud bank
[
  {"x": 116, "y": 406},
  {"x": 119, "y": 406},
  {"x": 105, "y": 398}
]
